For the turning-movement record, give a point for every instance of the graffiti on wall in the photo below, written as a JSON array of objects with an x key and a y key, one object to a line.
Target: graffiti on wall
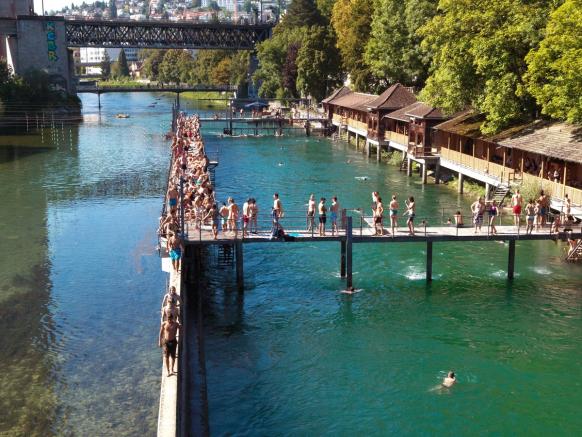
[{"x": 51, "y": 41}]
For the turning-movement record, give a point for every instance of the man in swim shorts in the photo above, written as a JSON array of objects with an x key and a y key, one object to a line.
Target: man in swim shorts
[
  {"x": 334, "y": 208},
  {"x": 310, "y": 213},
  {"x": 394, "y": 214},
  {"x": 478, "y": 209},
  {"x": 173, "y": 198},
  {"x": 169, "y": 341},
  {"x": 516, "y": 201},
  {"x": 322, "y": 216},
  {"x": 175, "y": 248}
]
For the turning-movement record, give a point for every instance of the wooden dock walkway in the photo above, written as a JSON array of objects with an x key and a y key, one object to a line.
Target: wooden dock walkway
[{"x": 365, "y": 234}]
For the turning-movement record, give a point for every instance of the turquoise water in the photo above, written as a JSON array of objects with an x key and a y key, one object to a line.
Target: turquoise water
[
  {"x": 80, "y": 285},
  {"x": 294, "y": 356}
]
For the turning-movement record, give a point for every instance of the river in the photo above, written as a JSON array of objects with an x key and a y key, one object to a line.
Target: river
[{"x": 80, "y": 285}]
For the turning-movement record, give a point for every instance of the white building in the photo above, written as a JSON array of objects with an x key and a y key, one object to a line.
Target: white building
[{"x": 95, "y": 55}]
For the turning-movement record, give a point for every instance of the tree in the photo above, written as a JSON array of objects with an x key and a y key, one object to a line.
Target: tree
[
  {"x": 554, "y": 70},
  {"x": 302, "y": 13},
  {"x": 248, "y": 6},
  {"x": 325, "y": 8},
  {"x": 221, "y": 73},
  {"x": 122, "y": 67},
  {"x": 113, "y": 8},
  {"x": 172, "y": 66},
  {"x": 105, "y": 67},
  {"x": 351, "y": 22},
  {"x": 151, "y": 64},
  {"x": 289, "y": 69},
  {"x": 318, "y": 63},
  {"x": 393, "y": 50},
  {"x": 479, "y": 51}
]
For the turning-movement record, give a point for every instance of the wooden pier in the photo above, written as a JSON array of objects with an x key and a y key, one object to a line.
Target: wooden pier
[{"x": 349, "y": 236}]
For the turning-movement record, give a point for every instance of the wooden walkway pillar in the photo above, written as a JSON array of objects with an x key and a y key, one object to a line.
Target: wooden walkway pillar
[
  {"x": 343, "y": 259},
  {"x": 98, "y": 100},
  {"x": 368, "y": 148},
  {"x": 487, "y": 191},
  {"x": 240, "y": 277},
  {"x": 424, "y": 173},
  {"x": 378, "y": 152},
  {"x": 437, "y": 173},
  {"x": 349, "y": 285},
  {"x": 429, "y": 261},
  {"x": 511, "y": 260},
  {"x": 409, "y": 167},
  {"x": 461, "y": 181}
]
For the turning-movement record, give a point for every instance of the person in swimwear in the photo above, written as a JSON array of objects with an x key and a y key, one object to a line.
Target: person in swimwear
[
  {"x": 458, "y": 219},
  {"x": 232, "y": 216},
  {"x": 224, "y": 216},
  {"x": 214, "y": 216},
  {"x": 254, "y": 212},
  {"x": 311, "y": 213},
  {"x": 449, "y": 380},
  {"x": 169, "y": 341},
  {"x": 478, "y": 208},
  {"x": 175, "y": 248},
  {"x": 379, "y": 217},
  {"x": 493, "y": 212},
  {"x": 516, "y": 201},
  {"x": 246, "y": 216},
  {"x": 411, "y": 212},
  {"x": 530, "y": 216},
  {"x": 173, "y": 198},
  {"x": 322, "y": 209},
  {"x": 394, "y": 214},
  {"x": 333, "y": 209}
]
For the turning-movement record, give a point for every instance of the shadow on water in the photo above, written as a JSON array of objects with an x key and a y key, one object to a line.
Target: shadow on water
[{"x": 14, "y": 153}]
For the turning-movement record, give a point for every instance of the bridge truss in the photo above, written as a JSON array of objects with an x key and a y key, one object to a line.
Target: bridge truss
[{"x": 84, "y": 33}]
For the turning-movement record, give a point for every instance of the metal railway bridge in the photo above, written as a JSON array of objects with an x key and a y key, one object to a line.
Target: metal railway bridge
[{"x": 150, "y": 34}]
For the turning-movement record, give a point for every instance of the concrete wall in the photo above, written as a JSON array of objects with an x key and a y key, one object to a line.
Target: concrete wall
[
  {"x": 41, "y": 44},
  {"x": 12, "y": 8}
]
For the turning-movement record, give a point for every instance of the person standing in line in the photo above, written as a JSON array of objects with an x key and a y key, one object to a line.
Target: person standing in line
[
  {"x": 175, "y": 248},
  {"x": 516, "y": 202},
  {"x": 477, "y": 209},
  {"x": 411, "y": 212},
  {"x": 544, "y": 201},
  {"x": 173, "y": 198},
  {"x": 322, "y": 216},
  {"x": 224, "y": 216},
  {"x": 567, "y": 205},
  {"x": 246, "y": 216},
  {"x": 493, "y": 211},
  {"x": 311, "y": 213},
  {"x": 334, "y": 209},
  {"x": 233, "y": 216},
  {"x": 214, "y": 216},
  {"x": 530, "y": 216},
  {"x": 254, "y": 211},
  {"x": 379, "y": 217},
  {"x": 538, "y": 211},
  {"x": 168, "y": 339},
  {"x": 277, "y": 206},
  {"x": 394, "y": 214}
]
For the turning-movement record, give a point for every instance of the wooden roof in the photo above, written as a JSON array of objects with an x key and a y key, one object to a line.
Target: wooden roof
[
  {"x": 395, "y": 97},
  {"x": 416, "y": 110},
  {"x": 342, "y": 91},
  {"x": 554, "y": 139},
  {"x": 357, "y": 101},
  {"x": 467, "y": 123}
]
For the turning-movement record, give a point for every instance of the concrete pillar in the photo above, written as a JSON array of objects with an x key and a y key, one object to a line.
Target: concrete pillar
[
  {"x": 343, "y": 259},
  {"x": 461, "y": 181},
  {"x": 367, "y": 148},
  {"x": 429, "y": 261},
  {"x": 409, "y": 167},
  {"x": 437, "y": 173},
  {"x": 424, "y": 173},
  {"x": 487, "y": 191},
  {"x": 511, "y": 260},
  {"x": 240, "y": 279}
]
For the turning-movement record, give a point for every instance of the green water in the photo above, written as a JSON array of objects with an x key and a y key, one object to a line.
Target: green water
[{"x": 80, "y": 285}]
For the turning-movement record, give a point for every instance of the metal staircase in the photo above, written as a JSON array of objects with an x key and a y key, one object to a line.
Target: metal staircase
[
  {"x": 576, "y": 253},
  {"x": 500, "y": 194}
]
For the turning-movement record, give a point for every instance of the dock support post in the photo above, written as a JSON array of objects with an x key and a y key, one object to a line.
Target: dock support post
[
  {"x": 511, "y": 260},
  {"x": 349, "y": 285},
  {"x": 429, "y": 261},
  {"x": 99, "y": 100},
  {"x": 378, "y": 152},
  {"x": 487, "y": 191},
  {"x": 424, "y": 173},
  {"x": 409, "y": 167},
  {"x": 343, "y": 259},
  {"x": 240, "y": 278},
  {"x": 461, "y": 181},
  {"x": 437, "y": 173},
  {"x": 357, "y": 140}
]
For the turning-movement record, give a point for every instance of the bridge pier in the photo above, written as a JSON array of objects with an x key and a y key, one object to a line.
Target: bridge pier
[
  {"x": 511, "y": 260},
  {"x": 429, "y": 261},
  {"x": 238, "y": 252}
]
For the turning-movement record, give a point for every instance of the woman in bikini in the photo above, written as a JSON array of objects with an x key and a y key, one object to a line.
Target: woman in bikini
[
  {"x": 394, "y": 214},
  {"x": 411, "y": 212}
]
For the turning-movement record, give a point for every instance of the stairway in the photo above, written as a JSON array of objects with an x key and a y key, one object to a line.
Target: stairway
[
  {"x": 225, "y": 256},
  {"x": 403, "y": 164},
  {"x": 576, "y": 254},
  {"x": 499, "y": 194}
]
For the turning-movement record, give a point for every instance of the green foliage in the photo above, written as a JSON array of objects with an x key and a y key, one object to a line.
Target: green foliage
[
  {"x": 302, "y": 13},
  {"x": 122, "y": 66},
  {"x": 479, "y": 51},
  {"x": 151, "y": 62},
  {"x": 351, "y": 22},
  {"x": 393, "y": 50},
  {"x": 172, "y": 66},
  {"x": 554, "y": 75},
  {"x": 105, "y": 67}
]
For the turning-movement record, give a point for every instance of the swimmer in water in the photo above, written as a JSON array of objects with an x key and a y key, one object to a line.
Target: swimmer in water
[{"x": 449, "y": 380}]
